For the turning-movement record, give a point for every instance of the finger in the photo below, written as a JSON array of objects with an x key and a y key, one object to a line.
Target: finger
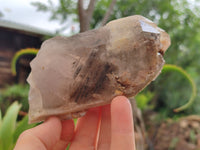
[
  {"x": 105, "y": 129},
  {"x": 66, "y": 134},
  {"x": 122, "y": 132},
  {"x": 67, "y": 130},
  {"x": 44, "y": 136},
  {"x": 86, "y": 131}
]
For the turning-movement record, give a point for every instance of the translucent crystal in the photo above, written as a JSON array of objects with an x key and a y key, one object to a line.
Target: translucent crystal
[{"x": 71, "y": 74}]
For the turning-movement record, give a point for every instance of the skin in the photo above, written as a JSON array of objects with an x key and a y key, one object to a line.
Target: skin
[{"x": 109, "y": 127}]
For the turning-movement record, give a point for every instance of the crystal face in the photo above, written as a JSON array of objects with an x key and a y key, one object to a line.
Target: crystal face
[
  {"x": 71, "y": 74},
  {"x": 148, "y": 28}
]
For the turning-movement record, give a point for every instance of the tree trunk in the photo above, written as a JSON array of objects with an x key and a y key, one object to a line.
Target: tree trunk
[
  {"x": 108, "y": 13},
  {"x": 85, "y": 15}
]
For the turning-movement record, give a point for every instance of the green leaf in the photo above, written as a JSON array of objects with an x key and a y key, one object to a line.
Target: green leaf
[
  {"x": 40, "y": 6},
  {"x": 143, "y": 98},
  {"x": 22, "y": 126},
  {"x": 8, "y": 127},
  {"x": 22, "y": 52},
  {"x": 169, "y": 67},
  {"x": 0, "y": 118}
]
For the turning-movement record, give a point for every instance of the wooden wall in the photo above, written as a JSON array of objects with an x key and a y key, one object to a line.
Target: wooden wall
[
  {"x": 5, "y": 71},
  {"x": 12, "y": 41}
]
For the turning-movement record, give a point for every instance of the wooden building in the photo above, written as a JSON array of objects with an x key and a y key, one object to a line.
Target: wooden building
[{"x": 13, "y": 37}]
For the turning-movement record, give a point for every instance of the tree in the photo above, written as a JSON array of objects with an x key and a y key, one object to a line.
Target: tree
[{"x": 66, "y": 8}]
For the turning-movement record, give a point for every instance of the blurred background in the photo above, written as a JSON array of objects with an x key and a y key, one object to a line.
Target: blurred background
[{"x": 25, "y": 24}]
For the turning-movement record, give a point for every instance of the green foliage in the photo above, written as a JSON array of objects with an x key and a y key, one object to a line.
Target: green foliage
[
  {"x": 59, "y": 11},
  {"x": 179, "y": 87},
  {"x": 12, "y": 93},
  {"x": 168, "y": 68},
  {"x": 10, "y": 129},
  {"x": 143, "y": 99},
  {"x": 99, "y": 12},
  {"x": 22, "y": 52}
]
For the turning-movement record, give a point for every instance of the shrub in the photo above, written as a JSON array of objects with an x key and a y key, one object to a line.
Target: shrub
[
  {"x": 12, "y": 93},
  {"x": 10, "y": 129}
]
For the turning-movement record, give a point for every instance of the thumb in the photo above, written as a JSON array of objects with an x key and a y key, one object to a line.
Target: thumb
[{"x": 42, "y": 137}]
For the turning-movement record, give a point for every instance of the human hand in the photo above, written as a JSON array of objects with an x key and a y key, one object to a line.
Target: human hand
[{"x": 108, "y": 127}]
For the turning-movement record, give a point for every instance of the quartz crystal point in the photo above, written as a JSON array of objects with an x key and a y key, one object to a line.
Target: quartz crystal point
[{"x": 71, "y": 74}]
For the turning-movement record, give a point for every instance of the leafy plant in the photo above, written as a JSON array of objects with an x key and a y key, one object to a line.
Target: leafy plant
[
  {"x": 12, "y": 93},
  {"x": 10, "y": 129},
  {"x": 143, "y": 99},
  {"x": 169, "y": 67},
  {"x": 172, "y": 90},
  {"x": 18, "y": 55}
]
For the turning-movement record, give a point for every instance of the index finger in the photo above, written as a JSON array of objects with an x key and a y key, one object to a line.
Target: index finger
[{"x": 122, "y": 131}]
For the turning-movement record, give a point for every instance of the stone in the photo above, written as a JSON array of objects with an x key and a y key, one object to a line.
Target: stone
[{"x": 72, "y": 74}]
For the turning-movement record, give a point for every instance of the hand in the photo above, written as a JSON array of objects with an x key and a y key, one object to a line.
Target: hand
[{"x": 108, "y": 127}]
